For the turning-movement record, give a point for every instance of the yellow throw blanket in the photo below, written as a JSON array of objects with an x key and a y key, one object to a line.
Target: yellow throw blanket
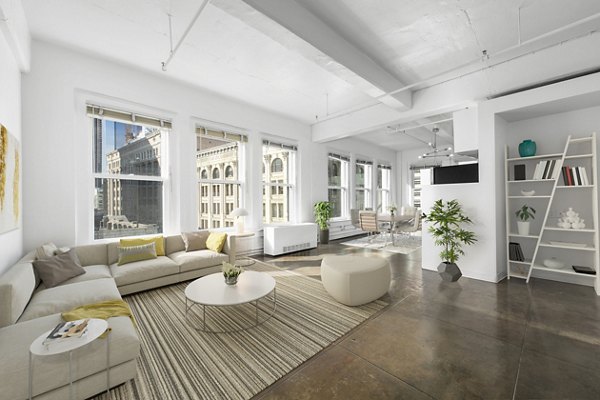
[{"x": 102, "y": 310}]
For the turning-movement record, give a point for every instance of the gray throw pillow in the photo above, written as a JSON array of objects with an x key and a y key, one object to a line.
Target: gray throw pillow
[
  {"x": 195, "y": 240},
  {"x": 55, "y": 270}
]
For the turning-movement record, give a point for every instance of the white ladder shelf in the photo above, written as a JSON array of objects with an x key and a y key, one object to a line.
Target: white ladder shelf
[{"x": 524, "y": 269}]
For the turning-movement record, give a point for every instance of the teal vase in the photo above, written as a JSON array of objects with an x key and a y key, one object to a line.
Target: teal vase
[{"x": 527, "y": 148}]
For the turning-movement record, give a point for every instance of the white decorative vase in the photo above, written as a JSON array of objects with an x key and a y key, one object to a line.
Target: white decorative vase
[{"x": 523, "y": 228}]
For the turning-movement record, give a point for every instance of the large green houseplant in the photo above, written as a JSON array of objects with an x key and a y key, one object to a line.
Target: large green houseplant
[
  {"x": 322, "y": 215},
  {"x": 446, "y": 219}
]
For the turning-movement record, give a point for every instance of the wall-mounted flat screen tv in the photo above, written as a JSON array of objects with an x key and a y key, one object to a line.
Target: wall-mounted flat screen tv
[{"x": 466, "y": 173}]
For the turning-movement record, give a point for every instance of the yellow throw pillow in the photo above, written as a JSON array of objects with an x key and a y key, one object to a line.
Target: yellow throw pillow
[
  {"x": 216, "y": 241},
  {"x": 158, "y": 241},
  {"x": 131, "y": 254}
]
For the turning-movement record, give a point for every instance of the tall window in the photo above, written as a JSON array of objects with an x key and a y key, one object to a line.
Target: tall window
[
  {"x": 337, "y": 172},
  {"x": 362, "y": 184},
  {"x": 128, "y": 169},
  {"x": 415, "y": 184},
  {"x": 218, "y": 160},
  {"x": 384, "y": 183},
  {"x": 279, "y": 181}
]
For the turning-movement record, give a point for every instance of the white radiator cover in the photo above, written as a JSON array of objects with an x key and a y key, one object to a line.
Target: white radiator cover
[{"x": 281, "y": 239}]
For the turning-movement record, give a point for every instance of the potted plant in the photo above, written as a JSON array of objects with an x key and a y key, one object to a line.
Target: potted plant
[
  {"x": 524, "y": 214},
  {"x": 446, "y": 219},
  {"x": 322, "y": 214},
  {"x": 231, "y": 272},
  {"x": 392, "y": 209}
]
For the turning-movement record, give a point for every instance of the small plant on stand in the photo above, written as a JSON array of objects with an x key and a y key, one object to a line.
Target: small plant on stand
[
  {"x": 231, "y": 273},
  {"x": 524, "y": 214}
]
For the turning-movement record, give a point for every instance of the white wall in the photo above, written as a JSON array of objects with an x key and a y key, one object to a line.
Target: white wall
[
  {"x": 57, "y": 138},
  {"x": 11, "y": 242},
  {"x": 475, "y": 263},
  {"x": 550, "y": 131},
  {"x": 479, "y": 201},
  {"x": 57, "y": 142}
]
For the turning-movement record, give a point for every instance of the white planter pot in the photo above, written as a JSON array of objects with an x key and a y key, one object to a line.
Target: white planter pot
[{"x": 523, "y": 227}]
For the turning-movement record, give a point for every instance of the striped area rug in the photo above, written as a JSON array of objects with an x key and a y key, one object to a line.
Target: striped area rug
[{"x": 178, "y": 362}]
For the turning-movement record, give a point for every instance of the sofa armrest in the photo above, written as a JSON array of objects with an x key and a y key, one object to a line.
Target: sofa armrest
[{"x": 230, "y": 248}]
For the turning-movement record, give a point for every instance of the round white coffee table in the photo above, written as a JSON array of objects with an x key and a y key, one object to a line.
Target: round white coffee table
[
  {"x": 95, "y": 328},
  {"x": 211, "y": 290}
]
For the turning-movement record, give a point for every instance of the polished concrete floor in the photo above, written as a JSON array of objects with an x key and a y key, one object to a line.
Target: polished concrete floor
[{"x": 463, "y": 340}]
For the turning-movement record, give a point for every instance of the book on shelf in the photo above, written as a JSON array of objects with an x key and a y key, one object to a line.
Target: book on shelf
[
  {"x": 556, "y": 170},
  {"x": 575, "y": 176},
  {"x": 584, "y": 270},
  {"x": 514, "y": 252},
  {"x": 551, "y": 165},
  {"x": 520, "y": 172},
  {"x": 536, "y": 172},
  {"x": 66, "y": 330},
  {"x": 546, "y": 166},
  {"x": 565, "y": 176},
  {"x": 547, "y": 169},
  {"x": 586, "y": 181}
]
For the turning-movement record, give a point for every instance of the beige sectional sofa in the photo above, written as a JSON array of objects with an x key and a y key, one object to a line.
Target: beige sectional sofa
[{"x": 28, "y": 309}]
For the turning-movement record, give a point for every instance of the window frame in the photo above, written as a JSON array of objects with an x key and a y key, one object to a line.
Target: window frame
[
  {"x": 367, "y": 188},
  {"x": 384, "y": 190},
  {"x": 229, "y": 135},
  {"x": 279, "y": 188},
  {"x": 344, "y": 185},
  {"x": 124, "y": 114}
]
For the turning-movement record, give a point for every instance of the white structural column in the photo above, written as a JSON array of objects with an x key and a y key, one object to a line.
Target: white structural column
[{"x": 304, "y": 24}]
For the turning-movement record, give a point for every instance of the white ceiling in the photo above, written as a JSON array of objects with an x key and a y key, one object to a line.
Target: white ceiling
[{"x": 241, "y": 53}]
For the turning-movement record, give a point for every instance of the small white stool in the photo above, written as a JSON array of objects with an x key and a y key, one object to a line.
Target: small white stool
[{"x": 355, "y": 280}]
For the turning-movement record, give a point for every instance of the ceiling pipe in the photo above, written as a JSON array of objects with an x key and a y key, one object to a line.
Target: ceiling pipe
[
  {"x": 187, "y": 31},
  {"x": 376, "y": 101}
]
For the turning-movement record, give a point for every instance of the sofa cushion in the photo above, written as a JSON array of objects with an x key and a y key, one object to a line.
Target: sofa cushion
[
  {"x": 129, "y": 254},
  {"x": 174, "y": 243},
  {"x": 57, "y": 269},
  {"x": 63, "y": 298},
  {"x": 199, "y": 259},
  {"x": 159, "y": 242},
  {"x": 143, "y": 270},
  {"x": 45, "y": 251},
  {"x": 195, "y": 240},
  {"x": 92, "y": 254},
  {"x": 91, "y": 272},
  {"x": 16, "y": 287},
  {"x": 52, "y": 372}
]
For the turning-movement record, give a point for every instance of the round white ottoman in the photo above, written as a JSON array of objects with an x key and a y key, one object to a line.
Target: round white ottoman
[{"x": 354, "y": 280}]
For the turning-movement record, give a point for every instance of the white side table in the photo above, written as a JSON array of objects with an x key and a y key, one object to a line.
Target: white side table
[
  {"x": 244, "y": 262},
  {"x": 96, "y": 327}
]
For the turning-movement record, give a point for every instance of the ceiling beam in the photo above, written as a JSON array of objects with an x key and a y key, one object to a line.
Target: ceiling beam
[
  {"x": 307, "y": 26},
  {"x": 566, "y": 57},
  {"x": 14, "y": 28}
]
